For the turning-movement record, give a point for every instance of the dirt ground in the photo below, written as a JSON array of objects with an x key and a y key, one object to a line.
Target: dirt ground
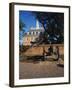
[
  {"x": 37, "y": 68},
  {"x": 40, "y": 69}
]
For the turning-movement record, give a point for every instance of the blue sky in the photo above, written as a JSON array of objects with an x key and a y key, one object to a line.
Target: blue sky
[
  {"x": 30, "y": 21},
  {"x": 28, "y": 18}
]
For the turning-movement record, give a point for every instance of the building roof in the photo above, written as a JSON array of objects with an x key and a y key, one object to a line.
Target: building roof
[{"x": 34, "y": 29}]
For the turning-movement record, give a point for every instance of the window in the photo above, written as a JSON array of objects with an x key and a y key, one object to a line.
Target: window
[
  {"x": 40, "y": 32},
  {"x": 29, "y": 33},
  {"x": 33, "y": 33},
  {"x": 36, "y": 33}
]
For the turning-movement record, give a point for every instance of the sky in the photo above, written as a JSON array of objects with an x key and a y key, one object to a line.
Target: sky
[{"x": 28, "y": 18}]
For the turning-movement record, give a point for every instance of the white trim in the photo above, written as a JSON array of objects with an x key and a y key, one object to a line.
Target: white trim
[{"x": 16, "y": 45}]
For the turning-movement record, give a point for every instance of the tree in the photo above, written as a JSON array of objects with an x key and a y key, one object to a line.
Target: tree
[
  {"x": 21, "y": 34},
  {"x": 21, "y": 29},
  {"x": 21, "y": 25},
  {"x": 53, "y": 24}
]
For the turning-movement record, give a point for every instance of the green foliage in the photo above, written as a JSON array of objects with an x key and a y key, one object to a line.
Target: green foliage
[{"x": 53, "y": 24}]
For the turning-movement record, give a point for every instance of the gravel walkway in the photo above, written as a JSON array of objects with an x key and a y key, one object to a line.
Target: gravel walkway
[{"x": 40, "y": 69}]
